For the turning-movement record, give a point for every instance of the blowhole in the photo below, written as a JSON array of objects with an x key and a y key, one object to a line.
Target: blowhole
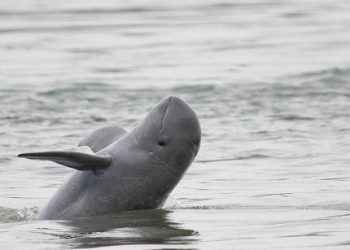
[{"x": 161, "y": 143}]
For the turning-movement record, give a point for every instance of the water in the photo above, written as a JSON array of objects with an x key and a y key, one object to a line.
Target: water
[{"x": 269, "y": 81}]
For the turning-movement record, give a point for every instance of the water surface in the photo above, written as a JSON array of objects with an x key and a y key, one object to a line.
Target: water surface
[{"x": 269, "y": 81}]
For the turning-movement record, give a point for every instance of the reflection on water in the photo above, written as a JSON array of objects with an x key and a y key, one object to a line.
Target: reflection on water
[
  {"x": 152, "y": 227},
  {"x": 138, "y": 227}
]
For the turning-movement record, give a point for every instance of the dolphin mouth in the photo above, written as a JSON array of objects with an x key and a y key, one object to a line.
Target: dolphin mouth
[{"x": 166, "y": 112}]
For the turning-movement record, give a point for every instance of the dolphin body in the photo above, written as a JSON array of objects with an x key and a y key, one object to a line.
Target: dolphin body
[{"x": 129, "y": 171}]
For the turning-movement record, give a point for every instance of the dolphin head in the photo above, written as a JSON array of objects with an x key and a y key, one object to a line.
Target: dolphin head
[{"x": 171, "y": 133}]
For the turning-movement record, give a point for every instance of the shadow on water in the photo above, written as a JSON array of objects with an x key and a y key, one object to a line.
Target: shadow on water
[{"x": 128, "y": 228}]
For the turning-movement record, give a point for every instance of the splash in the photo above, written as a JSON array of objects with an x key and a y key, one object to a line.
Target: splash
[{"x": 8, "y": 215}]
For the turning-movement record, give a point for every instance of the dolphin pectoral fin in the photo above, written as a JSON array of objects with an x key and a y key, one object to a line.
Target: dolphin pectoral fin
[
  {"x": 102, "y": 137},
  {"x": 79, "y": 161}
]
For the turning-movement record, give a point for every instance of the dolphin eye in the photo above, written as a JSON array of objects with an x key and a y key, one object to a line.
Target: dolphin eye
[{"x": 161, "y": 143}]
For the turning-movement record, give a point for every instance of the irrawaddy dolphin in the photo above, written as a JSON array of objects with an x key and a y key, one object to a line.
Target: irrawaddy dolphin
[{"x": 129, "y": 171}]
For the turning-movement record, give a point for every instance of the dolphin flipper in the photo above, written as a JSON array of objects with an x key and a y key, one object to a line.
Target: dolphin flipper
[
  {"x": 102, "y": 137},
  {"x": 79, "y": 161}
]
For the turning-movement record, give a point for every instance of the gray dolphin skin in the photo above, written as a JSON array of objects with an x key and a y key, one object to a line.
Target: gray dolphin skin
[{"x": 129, "y": 171}]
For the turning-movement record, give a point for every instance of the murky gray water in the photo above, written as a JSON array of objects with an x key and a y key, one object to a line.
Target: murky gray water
[{"x": 269, "y": 81}]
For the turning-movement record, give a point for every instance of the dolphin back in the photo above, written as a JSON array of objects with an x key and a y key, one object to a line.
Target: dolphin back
[{"x": 102, "y": 137}]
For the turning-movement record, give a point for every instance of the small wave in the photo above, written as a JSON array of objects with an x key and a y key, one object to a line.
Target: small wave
[
  {"x": 335, "y": 206},
  {"x": 335, "y": 71},
  {"x": 293, "y": 117},
  {"x": 340, "y": 207},
  {"x": 221, "y": 207},
  {"x": 330, "y": 76},
  {"x": 63, "y": 28},
  {"x": 15, "y": 215},
  {"x": 253, "y": 156}
]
